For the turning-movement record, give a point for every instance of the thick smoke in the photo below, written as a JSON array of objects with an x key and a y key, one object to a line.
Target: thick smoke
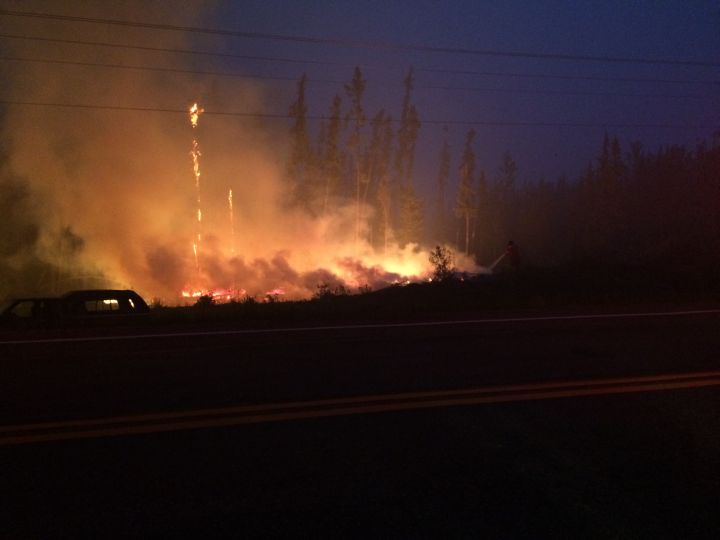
[
  {"x": 111, "y": 192},
  {"x": 19, "y": 233}
]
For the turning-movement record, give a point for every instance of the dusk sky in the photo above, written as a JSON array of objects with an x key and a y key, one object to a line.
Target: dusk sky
[
  {"x": 677, "y": 103},
  {"x": 675, "y": 31}
]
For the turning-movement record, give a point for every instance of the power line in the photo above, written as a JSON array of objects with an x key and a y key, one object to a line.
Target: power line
[
  {"x": 338, "y": 42},
  {"x": 156, "y": 69},
  {"x": 328, "y": 81},
  {"x": 175, "y": 50},
  {"x": 566, "y": 77},
  {"x": 371, "y": 66},
  {"x": 484, "y": 123},
  {"x": 569, "y": 92}
]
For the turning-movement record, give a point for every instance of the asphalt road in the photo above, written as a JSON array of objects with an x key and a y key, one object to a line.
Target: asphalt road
[{"x": 644, "y": 463}]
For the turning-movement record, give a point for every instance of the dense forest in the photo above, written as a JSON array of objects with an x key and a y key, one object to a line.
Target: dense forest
[{"x": 631, "y": 206}]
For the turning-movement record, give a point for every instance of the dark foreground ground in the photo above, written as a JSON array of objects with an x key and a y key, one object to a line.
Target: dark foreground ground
[
  {"x": 614, "y": 467},
  {"x": 638, "y": 465}
]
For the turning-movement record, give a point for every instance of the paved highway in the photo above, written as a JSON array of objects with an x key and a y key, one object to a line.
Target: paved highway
[
  {"x": 234, "y": 416},
  {"x": 530, "y": 426},
  {"x": 77, "y": 376}
]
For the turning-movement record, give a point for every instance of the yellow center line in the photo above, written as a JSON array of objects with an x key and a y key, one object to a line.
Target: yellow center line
[{"x": 230, "y": 416}]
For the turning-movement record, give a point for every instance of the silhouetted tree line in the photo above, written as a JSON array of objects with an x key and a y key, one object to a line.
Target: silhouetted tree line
[
  {"x": 633, "y": 208},
  {"x": 370, "y": 164},
  {"x": 630, "y": 206}
]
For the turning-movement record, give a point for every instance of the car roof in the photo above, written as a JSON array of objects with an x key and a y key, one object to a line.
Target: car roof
[{"x": 99, "y": 292}]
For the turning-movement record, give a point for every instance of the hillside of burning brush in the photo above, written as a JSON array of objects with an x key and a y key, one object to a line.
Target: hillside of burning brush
[
  {"x": 578, "y": 285},
  {"x": 660, "y": 245}
]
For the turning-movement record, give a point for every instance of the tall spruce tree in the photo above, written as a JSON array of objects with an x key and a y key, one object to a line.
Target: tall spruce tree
[
  {"x": 383, "y": 125},
  {"x": 506, "y": 198},
  {"x": 442, "y": 181},
  {"x": 482, "y": 229},
  {"x": 331, "y": 163},
  {"x": 407, "y": 132},
  {"x": 356, "y": 118},
  {"x": 411, "y": 211},
  {"x": 300, "y": 162},
  {"x": 411, "y": 215},
  {"x": 465, "y": 208},
  {"x": 508, "y": 175}
]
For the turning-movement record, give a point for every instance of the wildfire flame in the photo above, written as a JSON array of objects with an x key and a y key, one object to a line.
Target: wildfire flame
[
  {"x": 321, "y": 254},
  {"x": 218, "y": 295},
  {"x": 278, "y": 291},
  {"x": 195, "y": 153},
  {"x": 195, "y": 112},
  {"x": 232, "y": 222}
]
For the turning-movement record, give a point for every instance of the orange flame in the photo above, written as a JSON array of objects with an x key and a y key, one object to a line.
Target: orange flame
[
  {"x": 195, "y": 113},
  {"x": 232, "y": 222}
]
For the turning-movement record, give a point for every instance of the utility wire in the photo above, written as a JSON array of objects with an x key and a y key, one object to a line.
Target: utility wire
[
  {"x": 338, "y": 42},
  {"x": 485, "y": 123},
  {"x": 328, "y": 81},
  {"x": 371, "y": 66},
  {"x": 156, "y": 69},
  {"x": 569, "y": 92},
  {"x": 174, "y": 50},
  {"x": 566, "y": 77}
]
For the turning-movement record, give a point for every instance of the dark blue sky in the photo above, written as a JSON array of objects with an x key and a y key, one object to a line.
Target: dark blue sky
[
  {"x": 643, "y": 29},
  {"x": 502, "y": 91}
]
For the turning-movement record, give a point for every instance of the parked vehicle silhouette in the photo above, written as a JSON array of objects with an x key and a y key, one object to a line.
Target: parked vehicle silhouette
[{"x": 76, "y": 307}]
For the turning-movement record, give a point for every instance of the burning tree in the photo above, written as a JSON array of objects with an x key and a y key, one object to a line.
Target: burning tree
[
  {"x": 194, "y": 113},
  {"x": 300, "y": 157}
]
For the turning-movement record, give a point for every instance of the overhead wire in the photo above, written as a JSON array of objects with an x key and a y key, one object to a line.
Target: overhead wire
[
  {"x": 306, "y": 61},
  {"x": 172, "y": 50},
  {"x": 341, "y": 42},
  {"x": 329, "y": 41},
  {"x": 432, "y": 121},
  {"x": 330, "y": 81},
  {"x": 151, "y": 68}
]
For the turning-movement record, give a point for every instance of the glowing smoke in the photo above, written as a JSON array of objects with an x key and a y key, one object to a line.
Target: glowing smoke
[{"x": 120, "y": 182}]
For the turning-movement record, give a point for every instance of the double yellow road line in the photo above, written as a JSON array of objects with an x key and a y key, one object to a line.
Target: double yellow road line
[{"x": 276, "y": 412}]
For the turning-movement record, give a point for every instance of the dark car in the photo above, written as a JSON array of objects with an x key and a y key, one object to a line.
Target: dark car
[
  {"x": 32, "y": 312},
  {"x": 87, "y": 307},
  {"x": 101, "y": 302}
]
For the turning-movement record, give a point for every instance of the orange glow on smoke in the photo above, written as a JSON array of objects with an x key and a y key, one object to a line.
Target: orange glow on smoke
[{"x": 226, "y": 233}]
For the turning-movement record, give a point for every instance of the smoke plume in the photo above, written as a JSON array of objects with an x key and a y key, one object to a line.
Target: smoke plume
[{"x": 107, "y": 196}]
